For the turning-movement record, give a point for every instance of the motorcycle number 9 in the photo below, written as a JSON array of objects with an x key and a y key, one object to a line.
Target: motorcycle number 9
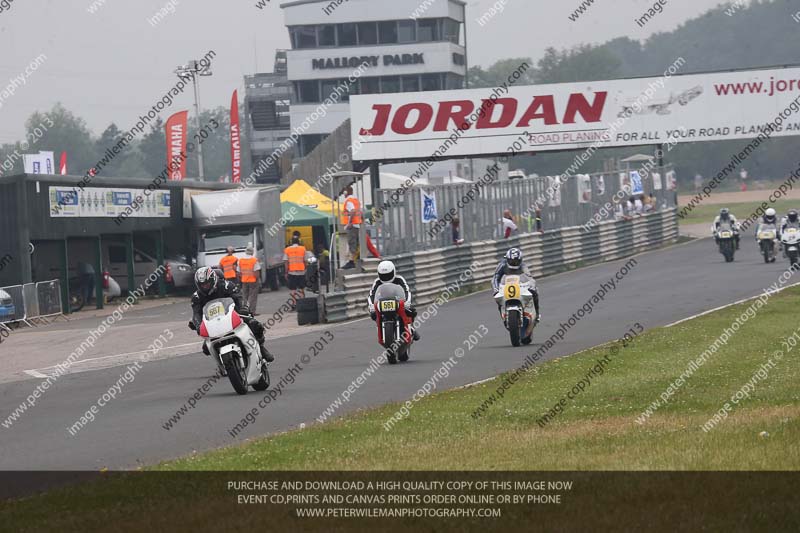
[{"x": 512, "y": 291}]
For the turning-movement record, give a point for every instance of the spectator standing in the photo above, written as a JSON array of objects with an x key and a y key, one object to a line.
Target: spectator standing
[
  {"x": 250, "y": 270},
  {"x": 509, "y": 226},
  {"x": 455, "y": 226},
  {"x": 698, "y": 182},
  {"x": 638, "y": 205},
  {"x": 324, "y": 265},
  {"x": 86, "y": 273}
]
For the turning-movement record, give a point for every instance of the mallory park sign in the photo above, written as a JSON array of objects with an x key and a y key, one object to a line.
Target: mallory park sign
[{"x": 373, "y": 61}]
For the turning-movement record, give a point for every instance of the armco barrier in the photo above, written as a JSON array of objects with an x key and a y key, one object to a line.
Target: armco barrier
[{"x": 429, "y": 272}]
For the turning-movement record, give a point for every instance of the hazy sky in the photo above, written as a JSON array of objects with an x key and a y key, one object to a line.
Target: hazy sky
[{"x": 113, "y": 65}]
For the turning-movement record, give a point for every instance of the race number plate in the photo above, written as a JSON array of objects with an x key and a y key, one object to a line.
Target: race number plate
[
  {"x": 388, "y": 305},
  {"x": 766, "y": 235},
  {"x": 215, "y": 310},
  {"x": 725, "y": 235},
  {"x": 512, "y": 287},
  {"x": 791, "y": 231}
]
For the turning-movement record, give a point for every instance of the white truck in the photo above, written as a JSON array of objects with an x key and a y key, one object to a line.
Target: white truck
[{"x": 239, "y": 218}]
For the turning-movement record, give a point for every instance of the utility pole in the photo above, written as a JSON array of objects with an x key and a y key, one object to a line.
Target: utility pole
[{"x": 194, "y": 69}]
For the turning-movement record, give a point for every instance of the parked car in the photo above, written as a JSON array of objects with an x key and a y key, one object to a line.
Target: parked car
[
  {"x": 179, "y": 274},
  {"x": 7, "y": 309}
]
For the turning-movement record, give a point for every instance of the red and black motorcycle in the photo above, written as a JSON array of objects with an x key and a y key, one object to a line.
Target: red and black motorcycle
[{"x": 394, "y": 323}]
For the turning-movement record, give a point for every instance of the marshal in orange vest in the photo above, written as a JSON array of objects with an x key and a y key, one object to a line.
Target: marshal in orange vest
[
  {"x": 228, "y": 265},
  {"x": 297, "y": 258},
  {"x": 351, "y": 204},
  {"x": 247, "y": 265}
]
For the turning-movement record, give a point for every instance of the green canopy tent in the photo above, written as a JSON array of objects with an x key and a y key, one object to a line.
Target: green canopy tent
[{"x": 311, "y": 220}]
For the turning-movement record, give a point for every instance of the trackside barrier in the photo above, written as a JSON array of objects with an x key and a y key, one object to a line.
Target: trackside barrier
[
  {"x": 48, "y": 299},
  {"x": 430, "y": 272},
  {"x": 30, "y": 304},
  {"x": 12, "y": 305}
]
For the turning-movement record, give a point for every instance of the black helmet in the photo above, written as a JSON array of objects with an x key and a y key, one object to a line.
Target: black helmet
[
  {"x": 514, "y": 258},
  {"x": 792, "y": 215},
  {"x": 724, "y": 213},
  {"x": 206, "y": 280}
]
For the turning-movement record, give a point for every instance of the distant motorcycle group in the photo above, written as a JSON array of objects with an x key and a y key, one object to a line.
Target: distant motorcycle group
[{"x": 772, "y": 236}]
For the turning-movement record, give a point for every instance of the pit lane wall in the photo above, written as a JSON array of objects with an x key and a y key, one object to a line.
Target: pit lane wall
[{"x": 430, "y": 272}]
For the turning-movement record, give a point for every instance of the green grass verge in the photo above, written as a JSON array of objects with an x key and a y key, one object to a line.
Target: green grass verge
[{"x": 705, "y": 213}]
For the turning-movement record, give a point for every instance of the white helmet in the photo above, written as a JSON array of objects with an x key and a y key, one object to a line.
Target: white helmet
[
  {"x": 770, "y": 212},
  {"x": 386, "y": 271}
]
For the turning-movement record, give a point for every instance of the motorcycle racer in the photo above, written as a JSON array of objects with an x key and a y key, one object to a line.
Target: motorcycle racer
[
  {"x": 513, "y": 264},
  {"x": 211, "y": 287}
]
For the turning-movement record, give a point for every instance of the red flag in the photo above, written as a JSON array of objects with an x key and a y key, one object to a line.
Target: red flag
[
  {"x": 63, "y": 165},
  {"x": 236, "y": 145},
  {"x": 176, "y": 133}
]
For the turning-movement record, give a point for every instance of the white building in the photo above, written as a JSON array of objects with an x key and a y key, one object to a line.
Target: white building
[{"x": 409, "y": 45}]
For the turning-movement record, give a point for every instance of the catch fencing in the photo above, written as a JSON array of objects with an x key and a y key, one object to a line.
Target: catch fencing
[
  {"x": 556, "y": 250},
  {"x": 399, "y": 228},
  {"x": 30, "y": 304}
]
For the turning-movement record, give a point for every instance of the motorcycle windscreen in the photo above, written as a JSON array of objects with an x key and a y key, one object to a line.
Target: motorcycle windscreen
[
  {"x": 389, "y": 291},
  {"x": 217, "y": 315}
]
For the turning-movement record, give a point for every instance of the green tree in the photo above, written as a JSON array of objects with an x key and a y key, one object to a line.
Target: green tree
[
  {"x": 68, "y": 133},
  {"x": 153, "y": 149}
]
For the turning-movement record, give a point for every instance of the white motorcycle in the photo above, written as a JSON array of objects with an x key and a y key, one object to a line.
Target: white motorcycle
[
  {"x": 726, "y": 239},
  {"x": 767, "y": 237},
  {"x": 515, "y": 298},
  {"x": 233, "y": 346},
  {"x": 791, "y": 244}
]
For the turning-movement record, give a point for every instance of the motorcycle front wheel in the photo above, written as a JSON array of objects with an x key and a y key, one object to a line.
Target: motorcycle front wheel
[
  {"x": 514, "y": 327},
  {"x": 793, "y": 257},
  {"x": 236, "y": 373}
]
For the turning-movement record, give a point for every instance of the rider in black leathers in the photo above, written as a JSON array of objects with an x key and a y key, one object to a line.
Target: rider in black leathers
[{"x": 211, "y": 286}]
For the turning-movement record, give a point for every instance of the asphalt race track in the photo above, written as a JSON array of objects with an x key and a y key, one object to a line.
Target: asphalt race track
[{"x": 665, "y": 286}]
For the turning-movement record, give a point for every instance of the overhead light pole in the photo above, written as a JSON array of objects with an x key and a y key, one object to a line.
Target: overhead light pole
[{"x": 194, "y": 69}]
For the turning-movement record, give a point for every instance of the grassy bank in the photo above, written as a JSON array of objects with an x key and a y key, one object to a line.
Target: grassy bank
[{"x": 705, "y": 213}]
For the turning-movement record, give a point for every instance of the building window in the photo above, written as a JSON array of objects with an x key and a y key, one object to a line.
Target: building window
[
  {"x": 452, "y": 31},
  {"x": 370, "y": 86},
  {"x": 327, "y": 35},
  {"x": 387, "y": 32},
  {"x": 428, "y": 30},
  {"x": 309, "y": 142},
  {"x": 454, "y": 81},
  {"x": 367, "y": 33},
  {"x": 407, "y": 31},
  {"x": 410, "y": 84},
  {"x": 305, "y": 37},
  {"x": 390, "y": 84},
  {"x": 348, "y": 36},
  {"x": 329, "y": 90},
  {"x": 431, "y": 82},
  {"x": 308, "y": 91}
]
